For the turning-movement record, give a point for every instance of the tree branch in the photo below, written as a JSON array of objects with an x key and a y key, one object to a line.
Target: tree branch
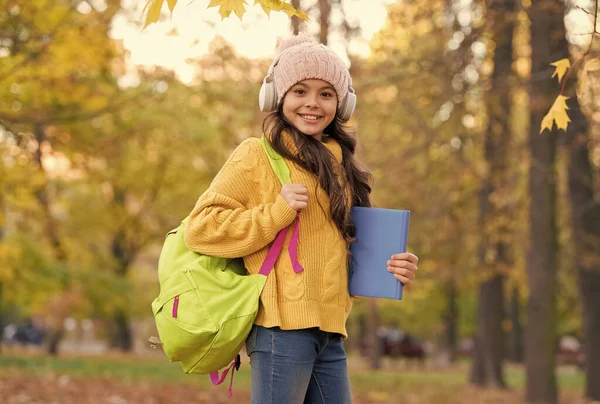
[
  {"x": 594, "y": 27},
  {"x": 584, "y": 10},
  {"x": 569, "y": 70}
]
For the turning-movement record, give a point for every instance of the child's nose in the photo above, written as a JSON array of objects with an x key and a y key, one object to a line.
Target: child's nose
[{"x": 311, "y": 101}]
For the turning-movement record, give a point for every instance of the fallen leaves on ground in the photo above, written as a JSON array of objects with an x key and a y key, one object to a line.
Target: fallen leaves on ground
[
  {"x": 17, "y": 388},
  {"x": 65, "y": 389}
]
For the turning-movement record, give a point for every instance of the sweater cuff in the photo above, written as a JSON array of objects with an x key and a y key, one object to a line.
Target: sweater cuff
[{"x": 283, "y": 213}]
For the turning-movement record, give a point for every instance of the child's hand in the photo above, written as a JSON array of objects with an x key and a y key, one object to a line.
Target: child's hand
[
  {"x": 296, "y": 195},
  {"x": 404, "y": 267}
]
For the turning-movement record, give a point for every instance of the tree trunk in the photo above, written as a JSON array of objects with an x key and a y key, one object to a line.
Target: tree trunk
[
  {"x": 516, "y": 330},
  {"x": 51, "y": 226},
  {"x": 489, "y": 339},
  {"x": 295, "y": 21},
  {"x": 451, "y": 319},
  {"x": 55, "y": 336},
  {"x": 324, "y": 13},
  {"x": 122, "y": 338},
  {"x": 495, "y": 217},
  {"x": 589, "y": 284},
  {"x": 540, "y": 331},
  {"x": 585, "y": 212},
  {"x": 477, "y": 376},
  {"x": 123, "y": 252}
]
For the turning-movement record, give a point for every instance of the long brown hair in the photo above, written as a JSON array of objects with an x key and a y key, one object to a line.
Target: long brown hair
[{"x": 316, "y": 159}]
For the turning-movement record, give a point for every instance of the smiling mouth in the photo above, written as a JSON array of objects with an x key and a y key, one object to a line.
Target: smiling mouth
[{"x": 310, "y": 118}]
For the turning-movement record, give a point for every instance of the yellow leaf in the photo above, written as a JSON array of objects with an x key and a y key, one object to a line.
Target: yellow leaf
[
  {"x": 291, "y": 11},
  {"x": 302, "y": 15},
  {"x": 154, "y": 7},
  {"x": 269, "y": 5},
  {"x": 227, "y": 6},
  {"x": 558, "y": 114},
  {"x": 171, "y": 4},
  {"x": 561, "y": 68},
  {"x": 279, "y": 5}
]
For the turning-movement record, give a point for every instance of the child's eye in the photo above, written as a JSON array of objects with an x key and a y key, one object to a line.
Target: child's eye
[
  {"x": 326, "y": 94},
  {"x": 299, "y": 91}
]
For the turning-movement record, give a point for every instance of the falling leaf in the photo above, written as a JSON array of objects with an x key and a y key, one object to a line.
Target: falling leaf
[
  {"x": 558, "y": 114},
  {"x": 154, "y": 7},
  {"x": 154, "y": 341},
  {"x": 227, "y": 6},
  {"x": 561, "y": 68}
]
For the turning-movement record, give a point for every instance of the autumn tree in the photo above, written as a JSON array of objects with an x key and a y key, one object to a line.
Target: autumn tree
[
  {"x": 540, "y": 334},
  {"x": 494, "y": 205},
  {"x": 39, "y": 36}
]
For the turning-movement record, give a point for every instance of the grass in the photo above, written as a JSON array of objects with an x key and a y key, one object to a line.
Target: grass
[{"x": 129, "y": 369}]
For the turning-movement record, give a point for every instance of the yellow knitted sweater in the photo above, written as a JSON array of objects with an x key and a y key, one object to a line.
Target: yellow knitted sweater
[{"x": 241, "y": 213}]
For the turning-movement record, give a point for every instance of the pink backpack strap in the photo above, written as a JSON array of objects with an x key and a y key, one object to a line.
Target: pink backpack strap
[
  {"x": 275, "y": 250},
  {"x": 216, "y": 380},
  {"x": 293, "y": 247}
]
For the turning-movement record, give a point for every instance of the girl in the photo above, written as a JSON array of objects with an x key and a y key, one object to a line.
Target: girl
[{"x": 295, "y": 347}]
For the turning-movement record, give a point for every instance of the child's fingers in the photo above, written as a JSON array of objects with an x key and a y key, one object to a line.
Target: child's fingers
[
  {"x": 405, "y": 272},
  {"x": 298, "y": 188},
  {"x": 299, "y": 205},
  {"x": 402, "y": 264},
  {"x": 406, "y": 256},
  {"x": 405, "y": 281}
]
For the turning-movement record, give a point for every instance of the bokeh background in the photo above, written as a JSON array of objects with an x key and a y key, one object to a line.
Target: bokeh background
[{"x": 110, "y": 132}]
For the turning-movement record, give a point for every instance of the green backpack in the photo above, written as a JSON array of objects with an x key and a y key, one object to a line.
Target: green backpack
[{"x": 207, "y": 305}]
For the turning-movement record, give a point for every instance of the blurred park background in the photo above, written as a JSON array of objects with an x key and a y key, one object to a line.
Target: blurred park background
[{"x": 109, "y": 133}]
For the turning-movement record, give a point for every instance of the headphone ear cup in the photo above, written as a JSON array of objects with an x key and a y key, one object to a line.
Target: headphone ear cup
[
  {"x": 267, "y": 97},
  {"x": 347, "y": 107}
]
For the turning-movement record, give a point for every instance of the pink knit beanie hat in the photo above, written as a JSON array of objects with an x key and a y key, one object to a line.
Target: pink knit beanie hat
[{"x": 301, "y": 57}]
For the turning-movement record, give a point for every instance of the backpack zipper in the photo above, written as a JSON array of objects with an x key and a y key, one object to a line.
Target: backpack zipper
[{"x": 175, "y": 306}]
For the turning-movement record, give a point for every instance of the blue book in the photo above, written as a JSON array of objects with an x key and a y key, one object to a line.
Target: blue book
[{"x": 380, "y": 233}]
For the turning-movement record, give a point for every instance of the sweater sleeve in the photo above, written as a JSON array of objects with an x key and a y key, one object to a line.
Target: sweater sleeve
[{"x": 224, "y": 223}]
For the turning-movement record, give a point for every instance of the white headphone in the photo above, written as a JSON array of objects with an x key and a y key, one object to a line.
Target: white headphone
[{"x": 267, "y": 97}]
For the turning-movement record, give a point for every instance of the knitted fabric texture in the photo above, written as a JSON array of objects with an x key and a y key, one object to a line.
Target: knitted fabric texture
[
  {"x": 241, "y": 213},
  {"x": 302, "y": 57}
]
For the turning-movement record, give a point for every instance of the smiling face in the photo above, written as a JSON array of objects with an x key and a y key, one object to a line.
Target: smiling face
[{"x": 310, "y": 105}]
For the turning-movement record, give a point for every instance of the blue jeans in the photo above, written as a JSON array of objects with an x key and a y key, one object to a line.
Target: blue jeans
[{"x": 297, "y": 366}]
